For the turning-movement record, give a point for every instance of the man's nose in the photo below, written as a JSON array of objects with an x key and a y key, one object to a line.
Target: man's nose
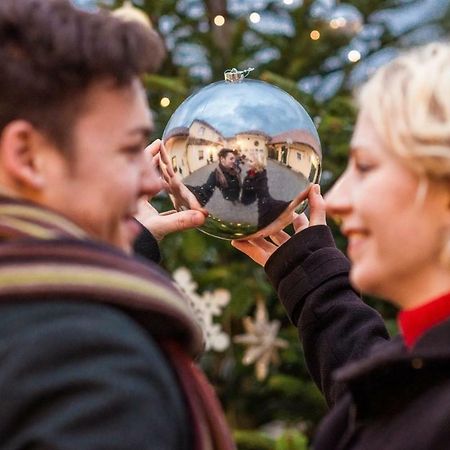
[{"x": 151, "y": 181}]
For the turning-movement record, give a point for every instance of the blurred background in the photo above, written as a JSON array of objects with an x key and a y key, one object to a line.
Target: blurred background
[{"x": 319, "y": 51}]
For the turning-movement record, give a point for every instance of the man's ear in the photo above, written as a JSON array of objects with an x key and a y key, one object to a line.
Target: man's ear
[{"x": 21, "y": 155}]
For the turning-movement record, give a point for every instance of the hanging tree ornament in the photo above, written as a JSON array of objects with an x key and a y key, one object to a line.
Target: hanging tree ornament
[
  {"x": 243, "y": 150},
  {"x": 129, "y": 12},
  {"x": 205, "y": 307},
  {"x": 262, "y": 341}
]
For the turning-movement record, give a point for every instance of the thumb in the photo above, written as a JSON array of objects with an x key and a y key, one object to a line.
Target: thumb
[
  {"x": 317, "y": 214},
  {"x": 177, "y": 221}
]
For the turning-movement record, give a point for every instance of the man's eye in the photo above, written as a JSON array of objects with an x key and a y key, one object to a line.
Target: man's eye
[{"x": 133, "y": 149}]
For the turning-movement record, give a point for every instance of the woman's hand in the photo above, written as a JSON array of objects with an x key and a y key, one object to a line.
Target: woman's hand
[{"x": 261, "y": 249}]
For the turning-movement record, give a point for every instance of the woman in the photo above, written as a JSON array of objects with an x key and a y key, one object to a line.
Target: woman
[
  {"x": 393, "y": 205},
  {"x": 255, "y": 188}
]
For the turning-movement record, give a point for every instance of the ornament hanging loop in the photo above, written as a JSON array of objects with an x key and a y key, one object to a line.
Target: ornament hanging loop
[{"x": 235, "y": 76}]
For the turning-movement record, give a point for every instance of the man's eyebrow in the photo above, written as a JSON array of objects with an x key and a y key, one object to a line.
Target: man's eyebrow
[{"x": 144, "y": 131}]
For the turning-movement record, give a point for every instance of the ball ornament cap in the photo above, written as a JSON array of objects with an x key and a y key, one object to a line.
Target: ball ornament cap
[{"x": 246, "y": 152}]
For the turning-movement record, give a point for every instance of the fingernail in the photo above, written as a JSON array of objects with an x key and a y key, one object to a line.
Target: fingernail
[{"x": 317, "y": 189}]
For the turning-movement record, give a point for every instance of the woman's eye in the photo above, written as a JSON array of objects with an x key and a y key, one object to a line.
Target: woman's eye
[{"x": 363, "y": 167}]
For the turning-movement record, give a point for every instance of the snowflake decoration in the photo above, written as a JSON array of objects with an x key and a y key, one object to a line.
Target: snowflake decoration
[
  {"x": 261, "y": 341},
  {"x": 205, "y": 307}
]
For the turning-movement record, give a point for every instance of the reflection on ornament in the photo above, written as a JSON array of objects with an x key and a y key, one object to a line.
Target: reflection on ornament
[
  {"x": 205, "y": 307},
  {"x": 129, "y": 12},
  {"x": 245, "y": 151},
  {"x": 261, "y": 340}
]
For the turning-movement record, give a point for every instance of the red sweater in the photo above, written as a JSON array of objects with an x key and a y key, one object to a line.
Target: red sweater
[{"x": 415, "y": 322}]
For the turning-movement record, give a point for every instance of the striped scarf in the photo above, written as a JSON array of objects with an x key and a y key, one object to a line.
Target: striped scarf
[{"x": 43, "y": 255}]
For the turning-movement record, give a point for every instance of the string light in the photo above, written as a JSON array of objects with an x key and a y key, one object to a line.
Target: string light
[
  {"x": 334, "y": 24},
  {"x": 165, "y": 102},
  {"x": 354, "y": 56},
  {"x": 314, "y": 35},
  {"x": 255, "y": 17},
  {"x": 219, "y": 20}
]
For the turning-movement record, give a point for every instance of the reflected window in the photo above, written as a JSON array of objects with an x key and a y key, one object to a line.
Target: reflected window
[
  {"x": 201, "y": 155},
  {"x": 174, "y": 164},
  {"x": 299, "y": 156},
  {"x": 284, "y": 154}
]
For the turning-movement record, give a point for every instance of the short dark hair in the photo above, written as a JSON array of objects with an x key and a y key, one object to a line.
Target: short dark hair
[
  {"x": 224, "y": 152},
  {"x": 51, "y": 51}
]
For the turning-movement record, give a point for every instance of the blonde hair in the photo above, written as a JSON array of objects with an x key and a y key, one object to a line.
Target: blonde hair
[
  {"x": 259, "y": 160},
  {"x": 408, "y": 101}
]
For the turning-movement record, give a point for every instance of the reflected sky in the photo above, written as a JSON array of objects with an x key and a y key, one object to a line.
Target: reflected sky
[{"x": 249, "y": 105}]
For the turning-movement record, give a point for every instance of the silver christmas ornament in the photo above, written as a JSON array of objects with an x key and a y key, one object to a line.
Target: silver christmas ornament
[{"x": 246, "y": 152}]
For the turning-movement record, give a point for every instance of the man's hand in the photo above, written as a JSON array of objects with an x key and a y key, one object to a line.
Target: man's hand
[
  {"x": 182, "y": 197},
  {"x": 261, "y": 249},
  {"x": 168, "y": 222}
]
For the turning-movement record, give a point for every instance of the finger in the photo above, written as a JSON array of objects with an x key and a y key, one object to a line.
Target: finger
[
  {"x": 317, "y": 215},
  {"x": 164, "y": 160},
  {"x": 154, "y": 147},
  {"x": 164, "y": 154},
  {"x": 257, "y": 254},
  {"x": 300, "y": 222},
  {"x": 263, "y": 244},
  {"x": 163, "y": 225},
  {"x": 163, "y": 168},
  {"x": 280, "y": 238}
]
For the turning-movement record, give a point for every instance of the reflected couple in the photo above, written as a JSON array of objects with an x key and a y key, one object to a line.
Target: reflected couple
[
  {"x": 253, "y": 188},
  {"x": 226, "y": 177}
]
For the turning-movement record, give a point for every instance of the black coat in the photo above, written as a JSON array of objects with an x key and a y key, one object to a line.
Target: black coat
[
  {"x": 381, "y": 395},
  {"x": 255, "y": 188},
  {"x": 86, "y": 376}
]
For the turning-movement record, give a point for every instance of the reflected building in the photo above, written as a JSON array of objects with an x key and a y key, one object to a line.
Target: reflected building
[{"x": 197, "y": 146}]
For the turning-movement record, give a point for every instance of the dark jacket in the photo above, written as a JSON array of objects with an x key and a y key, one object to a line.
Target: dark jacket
[
  {"x": 59, "y": 387},
  {"x": 381, "y": 395},
  {"x": 255, "y": 188}
]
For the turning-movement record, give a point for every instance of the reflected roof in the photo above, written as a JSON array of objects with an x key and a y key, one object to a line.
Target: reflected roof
[{"x": 232, "y": 108}]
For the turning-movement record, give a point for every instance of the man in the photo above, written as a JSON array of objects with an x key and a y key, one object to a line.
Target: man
[
  {"x": 225, "y": 176},
  {"x": 95, "y": 346}
]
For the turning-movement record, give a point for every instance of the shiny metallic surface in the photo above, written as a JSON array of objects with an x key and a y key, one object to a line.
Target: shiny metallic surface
[{"x": 246, "y": 151}]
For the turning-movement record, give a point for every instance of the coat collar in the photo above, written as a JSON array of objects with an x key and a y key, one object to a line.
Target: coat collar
[{"x": 432, "y": 348}]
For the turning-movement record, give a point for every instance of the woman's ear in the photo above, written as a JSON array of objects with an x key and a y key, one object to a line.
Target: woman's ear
[{"x": 21, "y": 156}]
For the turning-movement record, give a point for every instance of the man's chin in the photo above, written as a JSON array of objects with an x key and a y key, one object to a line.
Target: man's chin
[{"x": 130, "y": 231}]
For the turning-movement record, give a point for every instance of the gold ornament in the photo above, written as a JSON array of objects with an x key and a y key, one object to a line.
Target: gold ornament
[
  {"x": 262, "y": 341},
  {"x": 129, "y": 12}
]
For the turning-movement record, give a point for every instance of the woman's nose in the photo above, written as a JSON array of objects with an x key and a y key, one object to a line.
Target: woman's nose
[{"x": 337, "y": 199}]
